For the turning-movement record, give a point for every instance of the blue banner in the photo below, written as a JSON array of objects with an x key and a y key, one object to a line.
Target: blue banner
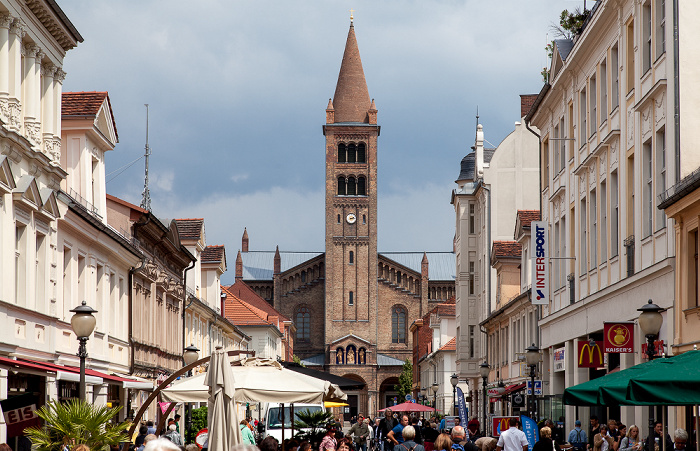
[
  {"x": 530, "y": 430},
  {"x": 461, "y": 405}
]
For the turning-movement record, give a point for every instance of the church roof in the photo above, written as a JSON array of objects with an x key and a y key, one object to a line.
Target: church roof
[
  {"x": 441, "y": 265},
  {"x": 351, "y": 99},
  {"x": 466, "y": 170},
  {"x": 387, "y": 360},
  {"x": 259, "y": 265}
]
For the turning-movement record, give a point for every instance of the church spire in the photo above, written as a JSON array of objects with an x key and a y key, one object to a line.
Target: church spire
[{"x": 351, "y": 100}]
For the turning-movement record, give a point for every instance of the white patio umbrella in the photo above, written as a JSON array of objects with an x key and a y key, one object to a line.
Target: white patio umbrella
[{"x": 222, "y": 421}]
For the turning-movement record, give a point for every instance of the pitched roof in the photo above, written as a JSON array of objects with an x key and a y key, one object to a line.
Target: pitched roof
[
  {"x": 242, "y": 291},
  {"x": 213, "y": 254},
  {"x": 564, "y": 47},
  {"x": 441, "y": 265},
  {"x": 86, "y": 104},
  {"x": 260, "y": 265},
  {"x": 241, "y": 313},
  {"x": 506, "y": 249},
  {"x": 527, "y": 216},
  {"x": 450, "y": 345},
  {"x": 190, "y": 229},
  {"x": 351, "y": 99}
]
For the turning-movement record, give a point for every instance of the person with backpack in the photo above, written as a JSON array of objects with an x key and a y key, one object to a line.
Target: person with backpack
[
  {"x": 578, "y": 437},
  {"x": 409, "y": 434}
]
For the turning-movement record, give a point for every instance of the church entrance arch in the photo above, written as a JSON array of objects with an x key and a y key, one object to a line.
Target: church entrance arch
[
  {"x": 387, "y": 393},
  {"x": 356, "y": 398}
]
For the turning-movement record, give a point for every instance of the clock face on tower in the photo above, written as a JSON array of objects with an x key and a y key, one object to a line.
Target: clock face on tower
[{"x": 351, "y": 218}]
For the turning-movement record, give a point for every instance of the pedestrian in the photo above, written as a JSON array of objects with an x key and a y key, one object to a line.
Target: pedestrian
[
  {"x": 305, "y": 446},
  {"x": 577, "y": 437},
  {"x": 173, "y": 435},
  {"x": 545, "y": 443},
  {"x": 443, "y": 443},
  {"x": 621, "y": 433},
  {"x": 148, "y": 438},
  {"x": 344, "y": 444},
  {"x": 486, "y": 443},
  {"x": 143, "y": 432},
  {"x": 658, "y": 433},
  {"x": 395, "y": 435},
  {"x": 247, "y": 433},
  {"x": 151, "y": 427},
  {"x": 329, "y": 442},
  {"x": 419, "y": 434},
  {"x": 613, "y": 428},
  {"x": 460, "y": 440},
  {"x": 632, "y": 441},
  {"x": 360, "y": 431},
  {"x": 270, "y": 443},
  {"x": 409, "y": 443},
  {"x": 385, "y": 426},
  {"x": 595, "y": 428},
  {"x": 177, "y": 422},
  {"x": 512, "y": 439},
  {"x": 474, "y": 429},
  {"x": 680, "y": 439},
  {"x": 602, "y": 440},
  {"x": 161, "y": 444},
  {"x": 430, "y": 434}
]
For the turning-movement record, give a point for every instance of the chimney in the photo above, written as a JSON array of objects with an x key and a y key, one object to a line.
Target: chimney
[
  {"x": 526, "y": 102},
  {"x": 239, "y": 266},
  {"x": 244, "y": 241}
]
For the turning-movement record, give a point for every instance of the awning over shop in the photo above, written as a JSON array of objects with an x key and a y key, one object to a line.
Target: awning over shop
[
  {"x": 75, "y": 377},
  {"x": 509, "y": 389},
  {"x": 13, "y": 364}
]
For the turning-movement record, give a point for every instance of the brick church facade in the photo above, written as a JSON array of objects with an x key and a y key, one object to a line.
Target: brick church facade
[{"x": 351, "y": 305}]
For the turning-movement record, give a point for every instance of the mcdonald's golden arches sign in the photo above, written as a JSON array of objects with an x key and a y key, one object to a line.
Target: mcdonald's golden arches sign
[{"x": 590, "y": 356}]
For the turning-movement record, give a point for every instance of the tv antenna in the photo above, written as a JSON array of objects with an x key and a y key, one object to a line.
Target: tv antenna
[{"x": 146, "y": 198}]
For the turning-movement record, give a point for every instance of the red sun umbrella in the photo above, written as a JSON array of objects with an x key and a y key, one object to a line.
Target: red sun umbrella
[{"x": 409, "y": 407}]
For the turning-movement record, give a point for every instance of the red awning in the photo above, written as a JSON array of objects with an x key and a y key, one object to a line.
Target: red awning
[
  {"x": 38, "y": 366},
  {"x": 509, "y": 389},
  {"x": 52, "y": 367}
]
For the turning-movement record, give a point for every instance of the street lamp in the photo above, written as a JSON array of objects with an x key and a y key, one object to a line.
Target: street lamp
[
  {"x": 189, "y": 356},
  {"x": 532, "y": 357},
  {"x": 484, "y": 370},
  {"x": 83, "y": 323},
  {"x": 454, "y": 380},
  {"x": 650, "y": 321},
  {"x": 435, "y": 387}
]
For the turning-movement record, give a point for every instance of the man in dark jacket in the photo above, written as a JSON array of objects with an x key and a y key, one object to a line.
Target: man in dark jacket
[{"x": 385, "y": 426}]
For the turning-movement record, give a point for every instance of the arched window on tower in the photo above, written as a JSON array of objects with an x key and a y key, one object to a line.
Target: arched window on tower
[
  {"x": 303, "y": 323},
  {"x": 361, "y": 189},
  {"x": 342, "y": 187},
  {"x": 351, "y": 187},
  {"x": 352, "y": 153},
  {"x": 361, "y": 158},
  {"x": 351, "y": 257},
  {"x": 351, "y": 298},
  {"x": 342, "y": 153},
  {"x": 398, "y": 324}
]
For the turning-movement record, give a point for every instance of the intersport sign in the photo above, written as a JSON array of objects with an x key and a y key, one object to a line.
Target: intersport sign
[{"x": 540, "y": 262}]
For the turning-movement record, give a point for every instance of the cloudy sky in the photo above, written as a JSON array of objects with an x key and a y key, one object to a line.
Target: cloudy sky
[{"x": 238, "y": 89}]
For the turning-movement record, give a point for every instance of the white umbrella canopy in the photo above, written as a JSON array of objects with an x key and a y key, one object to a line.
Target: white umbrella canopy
[
  {"x": 260, "y": 380},
  {"x": 221, "y": 413}
]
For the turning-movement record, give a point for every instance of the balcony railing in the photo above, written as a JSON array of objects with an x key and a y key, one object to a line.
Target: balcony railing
[{"x": 84, "y": 203}]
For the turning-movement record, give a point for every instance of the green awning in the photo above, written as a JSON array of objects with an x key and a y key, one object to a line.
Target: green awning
[
  {"x": 608, "y": 390},
  {"x": 672, "y": 381}
]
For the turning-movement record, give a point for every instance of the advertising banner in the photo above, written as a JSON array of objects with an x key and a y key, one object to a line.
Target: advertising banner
[
  {"x": 619, "y": 337},
  {"x": 590, "y": 356},
  {"x": 462, "y": 406},
  {"x": 499, "y": 424},
  {"x": 530, "y": 430},
  {"x": 540, "y": 262},
  {"x": 559, "y": 361}
]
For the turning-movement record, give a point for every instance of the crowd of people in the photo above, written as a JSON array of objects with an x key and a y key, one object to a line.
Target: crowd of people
[{"x": 615, "y": 436}]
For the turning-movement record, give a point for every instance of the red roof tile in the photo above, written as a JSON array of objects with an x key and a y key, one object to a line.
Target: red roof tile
[
  {"x": 506, "y": 249},
  {"x": 450, "y": 345},
  {"x": 527, "y": 216},
  {"x": 213, "y": 254},
  {"x": 243, "y": 291},
  {"x": 190, "y": 229},
  {"x": 81, "y": 104}
]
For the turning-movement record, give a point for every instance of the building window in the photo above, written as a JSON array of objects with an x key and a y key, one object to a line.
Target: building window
[
  {"x": 583, "y": 243},
  {"x": 545, "y": 163},
  {"x": 351, "y": 186},
  {"x": 398, "y": 325},
  {"x": 562, "y": 240},
  {"x": 21, "y": 264},
  {"x": 351, "y": 257},
  {"x": 557, "y": 147},
  {"x": 364, "y": 219},
  {"x": 351, "y": 298},
  {"x": 614, "y": 215},
  {"x": 660, "y": 175},
  {"x": 592, "y": 98},
  {"x": 660, "y": 27},
  {"x": 361, "y": 189},
  {"x": 629, "y": 51},
  {"x": 471, "y": 342},
  {"x": 40, "y": 271},
  {"x": 352, "y": 153},
  {"x": 603, "y": 221},
  {"x": 603, "y": 91},
  {"x": 342, "y": 153},
  {"x": 646, "y": 37},
  {"x": 472, "y": 218},
  {"x": 361, "y": 153},
  {"x": 648, "y": 190},
  {"x": 593, "y": 236},
  {"x": 338, "y": 218},
  {"x": 342, "y": 186},
  {"x": 692, "y": 269},
  {"x": 582, "y": 118},
  {"x": 614, "y": 77},
  {"x": 557, "y": 261},
  {"x": 471, "y": 277}
]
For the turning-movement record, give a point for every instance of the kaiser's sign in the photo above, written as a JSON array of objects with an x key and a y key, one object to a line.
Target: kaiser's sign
[
  {"x": 619, "y": 337},
  {"x": 540, "y": 262}
]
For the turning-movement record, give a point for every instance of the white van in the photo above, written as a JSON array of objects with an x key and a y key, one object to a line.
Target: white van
[{"x": 273, "y": 418}]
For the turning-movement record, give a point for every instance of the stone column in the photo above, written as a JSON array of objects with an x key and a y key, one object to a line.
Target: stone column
[
  {"x": 28, "y": 91},
  {"x": 15, "y": 81},
  {"x": 58, "y": 78},
  {"x": 33, "y": 129},
  {"x": 47, "y": 108},
  {"x": 5, "y": 21}
]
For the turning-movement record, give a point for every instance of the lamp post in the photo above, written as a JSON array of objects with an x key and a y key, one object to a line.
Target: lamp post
[
  {"x": 501, "y": 389},
  {"x": 434, "y": 388},
  {"x": 189, "y": 356},
  {"x": 83, "y": 323},
  {"x": 484, "y": 371},
  {"x": 650, "y": 321},
  {"x": 532, "y": 357},
  {"x": 454, "y": 380}
]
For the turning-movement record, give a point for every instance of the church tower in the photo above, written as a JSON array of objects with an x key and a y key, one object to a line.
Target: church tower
[{"x": 351, "y": 133}]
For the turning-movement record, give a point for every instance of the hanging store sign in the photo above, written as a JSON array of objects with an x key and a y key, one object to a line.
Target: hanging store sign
[
  {"x": 590, "y": 356},
  {"x": 559, "y": 361},
  {"x": 619, "y": 337},
  {"x": 540, "y": 262}
]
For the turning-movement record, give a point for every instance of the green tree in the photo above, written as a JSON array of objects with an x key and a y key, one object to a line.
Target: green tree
[
  {"x": 199, "y": 422},
  {"x": 405, "y": 385},
  {"x": 297, "y": 360},
  {"x": 76, "y": 422},
  {"x": 315, "y": 422}
]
